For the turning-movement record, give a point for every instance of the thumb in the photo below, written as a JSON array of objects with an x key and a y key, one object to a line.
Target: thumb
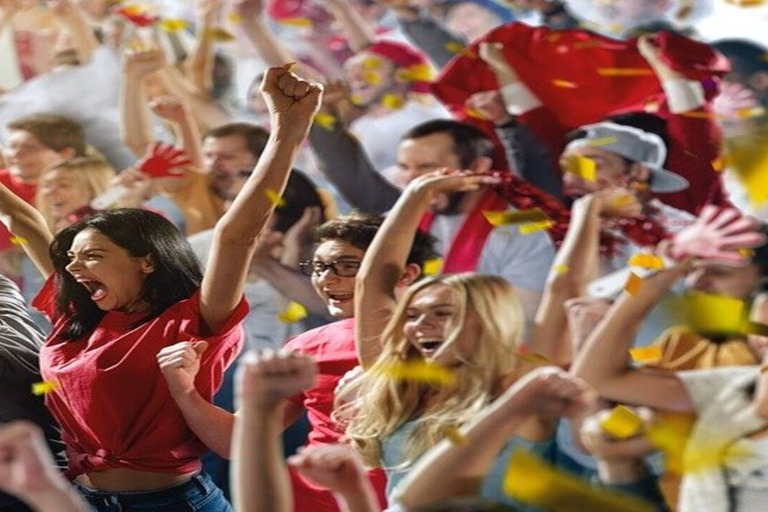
[{"x": 200, "y": 347}]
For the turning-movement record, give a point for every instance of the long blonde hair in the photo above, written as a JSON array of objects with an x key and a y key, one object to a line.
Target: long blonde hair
[
  {"x": 382, "y": 405},
  {"x": 92, "y": 173}
]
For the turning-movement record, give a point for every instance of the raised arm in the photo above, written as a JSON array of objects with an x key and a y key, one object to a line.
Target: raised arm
[
  {"x": 178, "y": 112},
  {"x": 260, "y": 481},
  {"x": 385, "y": 260},
  {"x": 359, "y": 33},
  {"x": 71, "y": 16},
  {"x": 8, "y": 10},
  {"x": 199, "y": 64},
  {"x": 29, "y": 227},
  {"x": 136, "y": 128},
  {"x": 292, "y": 103}
]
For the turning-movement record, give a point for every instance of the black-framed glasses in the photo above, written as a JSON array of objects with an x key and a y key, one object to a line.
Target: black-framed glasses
[{"x": 343, "y": 268}]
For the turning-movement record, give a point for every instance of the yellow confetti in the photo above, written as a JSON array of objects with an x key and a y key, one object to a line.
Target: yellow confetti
[
  {"x": 454, "y": 435},
  {"x": 650, "y": 261},
  {"x": 234, "y": 18},
  {"x": 220, "y": 35},
  {"x": 418, "y": 371},
  {"x": 746, "y": 3},
  {"x": 746, "y": 113},
  {"x": 697, "y": 114},
  {"x": 18, "y": 240},
  {"x": 454, "y": 47},
  {"x": 274, "y": 198},
  {"x": 718, "y": 164},
  {"x": 43, "y": 388},
  {"x": 371, "y": 63},
  {"x": 581, "y": 166},
  {"x": 474, "y": 113},
  {"x": 645, "y": 355},
  {"x": 531, "y": 480},
  {"x": 372, "y": 77},
  {"x": 533, "y": 227},
  {"x": 603, "y": 141},
  {"x": 622, "y": 423},
  {"x": 415, "y": 73},
  {"x": 625, "y": 200},
  {"x": 713, "y": 314},
  {"x": 747, "y": 253},
  {"x": 624, "y": 72},
  {"x": 293, "y": 313},
  {"x": 756, "y": 328},
  {"x": 432, "y": 267},
  {"x": 561, "y": 269},
  {"x": 564, "y": 84},
  {"x": 633, "y": 284},
  {"x": 393, "y": 101},
  {"x": 296, "y": 22},
  {"x": 498, "y": 218},
  {"x": 171, "y": 25},
  {"x": 325, "y": 120}
]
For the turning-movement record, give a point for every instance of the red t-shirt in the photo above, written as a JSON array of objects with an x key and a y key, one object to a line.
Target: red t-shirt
[
  {"x": 24, "y": 190},
  {"x": 112, "y": 401},
  {"x": 333, "y": 347}
]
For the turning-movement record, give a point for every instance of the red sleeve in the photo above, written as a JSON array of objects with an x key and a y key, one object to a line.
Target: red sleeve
[{"x": 45, "y": 301}]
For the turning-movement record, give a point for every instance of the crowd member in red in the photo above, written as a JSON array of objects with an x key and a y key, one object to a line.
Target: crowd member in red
[
  {"x": 122, "y": 285},
  {"x": 341, "y": 244}
]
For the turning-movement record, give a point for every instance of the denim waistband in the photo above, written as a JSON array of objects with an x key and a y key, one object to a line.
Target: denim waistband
[{"x": 199, "y": 481}]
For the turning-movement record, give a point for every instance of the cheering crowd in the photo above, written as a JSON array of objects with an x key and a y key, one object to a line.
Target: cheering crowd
[{"x": 382, "y": 255}]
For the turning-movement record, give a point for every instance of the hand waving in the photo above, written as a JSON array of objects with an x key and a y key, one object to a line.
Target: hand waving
[{"x": 163, "y": 160}]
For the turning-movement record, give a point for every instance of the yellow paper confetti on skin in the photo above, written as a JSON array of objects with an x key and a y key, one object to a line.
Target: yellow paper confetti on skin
[
  {"x": 622, "y": 423},
  {"x": 274, "y": 198},
  {"x": 18, "y": 240},
  {"x": 45, "y": 387},
  {"x": 325, "y": 120},
  {"x": 371, "y": 63},
  {"x": 624, "y": 200},
  {"x": 415, "y": 73},
  {"x": 533, "y": 227},
  {"x": 454, "y": 435},
  {"x": 296, "y": 22},
  {"x": 474, "y": 114},
  {"x": 392, "y": 101},
  {"x": 561, "y": 269},
  {"x": 565, "y": 84},
  {"x": 713, "y": 314},
  {"x": 645, "y": 355},
  {"x": 293, "y": 313},
  {"x": 432, "y": 267},
  {"x": 220, "y": 35},
  {"x": 234, "y": 18},
  {"x": 171, "y": 25},
  {"x": 418, "y": 371},
  {"x": 633, "y": 284},
  {"x": 498, "y": 218},
  {"x": 454, "y": 46},
  {"x": 581, "y": 166},
  {"x": 624, "y": 72},
  {"x": 372, "y": 77},
  {"x": 531, "y": 480},
  {"x": 650, "y": 261}
]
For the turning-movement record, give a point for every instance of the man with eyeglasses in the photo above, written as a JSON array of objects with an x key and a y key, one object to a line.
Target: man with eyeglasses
[{"x": 340, "y": 245}]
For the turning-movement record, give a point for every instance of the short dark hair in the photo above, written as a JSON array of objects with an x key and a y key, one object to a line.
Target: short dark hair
[
  {"x": 300, "y": 193},
  {"x": 359, "y": 229},
  {"x": 255, "y": 136},
  {"x": 54, "y": 132},
  {"x": 469, "y": 143},
  {"x": 176, "y": 274},
  {"x": 746, "y": 57}
]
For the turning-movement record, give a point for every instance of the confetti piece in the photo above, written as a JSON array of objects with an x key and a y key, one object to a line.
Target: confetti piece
[
  {"x": 371, "y": 77},
  {"x": 432, "y": 267},
  {"x": 625, "y": 200},
  {"x": 293, "y": 313},
  {"x": 18, "y": 240},
  {"x": 220, "y": 35},
  {"x": 756, "y": 328},
  {"x": 746, "y": 113},
  {"x": 633, "y": 284},
  {"x": 622, "y": 423},
  {"x": 534, "y": 358},
  {"x": 624, "y": 72},
  {"x": 274, "y": 198},
  {"x": 650, "y": 261},
  {"x": 296, "y": 22},
  {"x": 561, "y": 269},
  {"x": 393, "y": 101},
  {"x": 564, "y": 84},
  {"x": 581, "y": 166},
  {"x": 356, "y": 99},
  {"x": 474, "y": 114},
  {"x": 697, "y": 114},
  {"x": 455, "y": 436},
  {"x": 603, "y": 141},
  {"x": 418, "y": 371},
  {"x": 371, "y": 63},
  {"x": 533, "y": 227},
  {"x": 43, "y": 388},
  {"x": 718, "y": 164},
  {"x": 171, "y": 25},
  {"x": 454, "y": 46},
  {"x": 234, "y": 18},
  {"x": 325, "y": 120},
  {"x": 497, "y": 218},
  {"x": 531, "y": 480},
  {"x": 747, "y": 253},
  {"x": 645, "y": 355},
  {"x": 415, "y": 73},
  {"x": 713, "y": 314},
  {"x": 587, "y": 44}
]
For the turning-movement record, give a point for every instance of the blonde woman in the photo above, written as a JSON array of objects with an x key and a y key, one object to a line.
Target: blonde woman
[
  {"x": 470, "y": 324},
  {"x": 66, "y": 189}
]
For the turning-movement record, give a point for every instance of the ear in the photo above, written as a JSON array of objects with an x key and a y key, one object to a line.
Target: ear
[
  {"x": 67, "y": 153},
  {"x": 759, "y": 81},
  {"x": 481, "y": 164},
  {"x": 638, "y": 173},
  {"x": 410, "y": 274},
  {"x": 147, "y": 265}
]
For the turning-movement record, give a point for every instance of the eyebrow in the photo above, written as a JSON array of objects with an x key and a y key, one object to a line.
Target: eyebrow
[
  {"x": 89, "y": 250},
  {"x": 440, "y": 305}
]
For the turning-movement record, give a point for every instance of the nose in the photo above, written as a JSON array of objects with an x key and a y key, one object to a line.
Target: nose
[
  {"x": 326, "y": 275},
  {"x": 73, "y": 265}
]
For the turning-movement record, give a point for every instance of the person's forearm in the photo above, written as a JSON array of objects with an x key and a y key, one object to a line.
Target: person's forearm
[
  {"x": 83, "y": 39},
  {"x": 359, "y": 33},
  {"x": 134, "y": 114},
  {"x": 191, "y": 138},
  {"x": 363, "y": 501},
  {"x": 206, "y": 112},
  {"x": 343, "y": 161},
  {"x": 212, "y": 424},
  {"x": 271, "y": 50},
  {"x": 430, "y": 36},
  {"x": 201, "y": 61},
  {"x": 259, "y": 478},
  {"x": 293, "y": 285},
  {"x": 58, "y": 500},
  {"x": 29, "y": 227}
]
